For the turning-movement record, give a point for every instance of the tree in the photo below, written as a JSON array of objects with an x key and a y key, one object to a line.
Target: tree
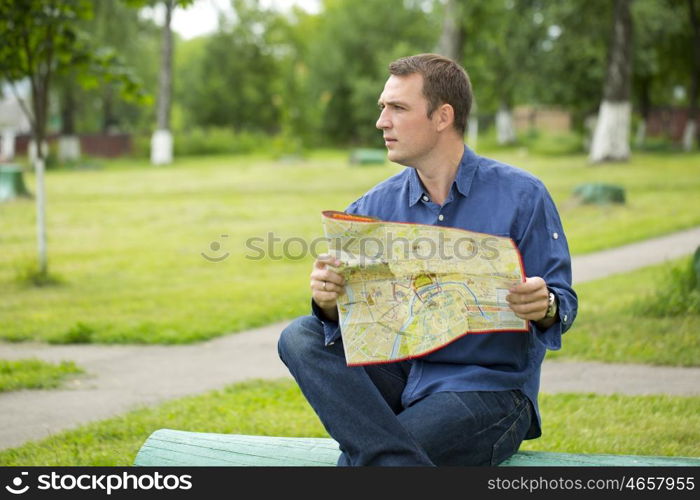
[
  {"x": 498, "y": 42},
  {"x": 348, "y": 54},
  {"x": 38, "y": 36},
  {"x": 451, "y": 44},
  {"x": 162, "y": 139},
  {"x": 513, "y": 55},
  {"x": 611, "y": 137},
  {"x": 241, "y": 92},
  {"x": 691, "y": 126},
  {"x": 41, "y": 40},
  {"x": 661, "y": 63},
  {"x": 136, "y": 40}
]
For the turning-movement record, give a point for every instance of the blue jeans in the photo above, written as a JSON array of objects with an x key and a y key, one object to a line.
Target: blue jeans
[{"x": 361, "y": 409}]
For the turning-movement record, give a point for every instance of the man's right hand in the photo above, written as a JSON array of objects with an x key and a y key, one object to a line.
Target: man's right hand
[{"x": 326, "y": 285}]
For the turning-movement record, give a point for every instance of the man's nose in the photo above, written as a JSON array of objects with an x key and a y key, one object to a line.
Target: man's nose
[{"x": 383, "y": 121}]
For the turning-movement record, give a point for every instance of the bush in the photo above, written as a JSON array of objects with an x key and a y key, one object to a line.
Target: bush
[
  {"x": 215, "y": 141},
  {"x": 222, "y": 141},
  {"x": 677, "y": 295},
  {"x": 536, "y": 142},
  {"x": 80, "y": 333}
]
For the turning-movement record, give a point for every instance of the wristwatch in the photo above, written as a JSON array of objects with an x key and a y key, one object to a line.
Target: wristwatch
[{"x": 551, "y": 306}]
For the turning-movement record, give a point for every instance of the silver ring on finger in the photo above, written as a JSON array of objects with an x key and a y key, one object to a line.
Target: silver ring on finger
[{"x": 324, "y": 286}]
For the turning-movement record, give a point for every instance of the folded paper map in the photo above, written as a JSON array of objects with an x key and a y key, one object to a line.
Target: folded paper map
[{"x": 411, "y": 289}]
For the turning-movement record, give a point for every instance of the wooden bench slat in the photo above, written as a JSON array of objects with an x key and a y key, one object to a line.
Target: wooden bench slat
[{"x": 168, "y": 447}]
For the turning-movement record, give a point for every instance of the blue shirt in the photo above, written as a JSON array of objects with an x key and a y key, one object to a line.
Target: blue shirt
[{"x": 489, "y": 197}]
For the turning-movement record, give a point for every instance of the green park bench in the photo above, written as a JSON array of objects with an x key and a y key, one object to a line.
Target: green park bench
[
  {"x": 12, "y": 183},
  {"x": 167, "y": 447},
  {"x": 367, "y": 156},
  {"x": 599, "y": 193}
]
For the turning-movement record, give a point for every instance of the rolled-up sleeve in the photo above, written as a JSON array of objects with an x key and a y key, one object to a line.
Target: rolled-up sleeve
[
  {"x": 331, "y": 329},
  {"x": 545, "y": 253}
]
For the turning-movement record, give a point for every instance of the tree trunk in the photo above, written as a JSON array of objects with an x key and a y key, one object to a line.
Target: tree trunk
[
  {"x": 161, "y": 142},
  {"x": 644, "y": 109},
  {"x": 505, "y": 127},
  {"x": 451, "y": 45},
  {"x": 110, "y": 122},
  {"x": 68, "y": 142},
  {"x": 473, "y": 125},
  {"x": 452, "y": 37},
  {"x": 690, "y": 131},
  {"x": 611, "y": 136},
  {"x": 641, "y": 134},
  {"x": 40, "y": 84}
]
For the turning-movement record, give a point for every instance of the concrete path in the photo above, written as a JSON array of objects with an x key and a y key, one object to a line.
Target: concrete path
[
  {"x": 121, "y": 378},
  {"x": 635, "y": 255}
]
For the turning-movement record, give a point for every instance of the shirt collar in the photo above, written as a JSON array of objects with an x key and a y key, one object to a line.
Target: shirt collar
[{"x": 463, "y": 179}]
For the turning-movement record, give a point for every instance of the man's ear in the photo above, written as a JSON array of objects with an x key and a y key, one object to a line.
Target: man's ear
[{"x": 445, "y": 117}]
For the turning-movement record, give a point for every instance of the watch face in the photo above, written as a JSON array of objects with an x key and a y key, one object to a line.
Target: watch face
[{"x": 551, "y": 306}]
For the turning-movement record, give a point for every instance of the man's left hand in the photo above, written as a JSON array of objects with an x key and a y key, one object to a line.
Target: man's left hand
[{"x": 529, "y": 300}]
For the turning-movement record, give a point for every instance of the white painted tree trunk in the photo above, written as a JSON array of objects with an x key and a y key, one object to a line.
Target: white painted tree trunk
[
  {"x": 161, "y": 147},
  {"x": 473, "y": 126},
  {"x": 68, "y": 148},
  {"x": 162, "y": 140},
  {"x": 472, "y": 131},
  {"x": 7, "y": 146},
  {"x": 689, "y": 132},
  {"x": 641, "y": 134},
  {"x": 32, "y": 153},
  {"x": 41, "y": 215},
  {"x": 590, "y": 124},
  {"x": 505, "y": 129},
  {"x": 611, "y": 136}
]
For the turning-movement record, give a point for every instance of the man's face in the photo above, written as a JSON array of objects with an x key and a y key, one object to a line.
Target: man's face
[{"x": 409, "y": 135}]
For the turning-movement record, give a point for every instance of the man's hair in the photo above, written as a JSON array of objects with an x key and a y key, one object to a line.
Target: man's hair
[{"x": 444, "y": 82}]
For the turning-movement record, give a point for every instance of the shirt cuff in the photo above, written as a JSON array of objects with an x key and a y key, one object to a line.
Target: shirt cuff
[
  {"x": 551, "y": 337},
  {"x": 331, "y": 329}
]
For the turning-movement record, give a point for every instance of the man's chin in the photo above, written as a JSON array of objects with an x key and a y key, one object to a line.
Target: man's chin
[{"x": 394, "y": 157}]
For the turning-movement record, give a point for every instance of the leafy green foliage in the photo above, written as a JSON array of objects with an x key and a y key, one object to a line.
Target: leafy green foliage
[
  {"x": 315, "y": 78},
  {"x": 219, "y": 141},
  {"x": 231, "y": 83},
  {"x": 43, "y": 40},
  {"x": 347, "y": 57},
  {"x": 677, "y": 293}
]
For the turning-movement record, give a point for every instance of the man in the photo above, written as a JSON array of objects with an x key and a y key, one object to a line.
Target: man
[{"x": 473, "y": 401}]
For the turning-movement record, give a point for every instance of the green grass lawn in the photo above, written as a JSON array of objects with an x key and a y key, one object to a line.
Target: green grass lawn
[
  {"x": 126, "y": 240},
  {"x": 573, "y": 423},
  {"x": 614, "y": 323},
  {"x": 34, "y": 374}
]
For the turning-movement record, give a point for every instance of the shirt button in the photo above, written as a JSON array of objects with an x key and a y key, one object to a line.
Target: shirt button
[
  {"x": 425, "y": 198},
  {"x": 441, "y": 217},
  {"x": 555, "y": 236},
  {"x": 566, "y": 318}
]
